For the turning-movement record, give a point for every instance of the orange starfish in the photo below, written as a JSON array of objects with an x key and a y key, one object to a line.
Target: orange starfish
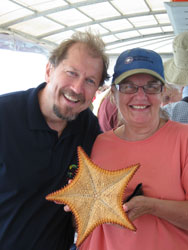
[{"x": 95, "y": 196}]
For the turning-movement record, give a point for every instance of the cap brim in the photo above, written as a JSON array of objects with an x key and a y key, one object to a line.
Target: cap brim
[
  {"x": 137, "y": 71},
  {"x": 175, "y": 75}
]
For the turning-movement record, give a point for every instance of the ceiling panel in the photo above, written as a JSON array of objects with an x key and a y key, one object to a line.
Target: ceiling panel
[
  {"x": 41, "y": 5},
  {"x": 46, "y": 23},
  {"x": 57, "y": 38},
  {"x": 36, "y": 26},
  {"x": 9, "y": 11},
  {"x": 98, "y": 28},
  {"x": 100, "y": 10},
  {"x": 156, "y": 5},
  {"x": 162, "y": 18},
  {"x": 70, "y": 17},
  {"x": 143, "y": 21},
  {"x": 117, "y": 24},
  {"x": 134, "y": 6}
]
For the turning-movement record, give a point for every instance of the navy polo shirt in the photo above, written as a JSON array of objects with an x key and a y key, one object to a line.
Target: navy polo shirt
[{"x": 33, "y": 163}]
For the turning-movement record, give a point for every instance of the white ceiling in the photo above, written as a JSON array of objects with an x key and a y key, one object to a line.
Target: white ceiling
[{"x": 39, "y": 25}]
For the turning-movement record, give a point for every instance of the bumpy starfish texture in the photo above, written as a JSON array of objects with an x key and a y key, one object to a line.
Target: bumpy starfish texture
[{"x": 95, "y": 196}]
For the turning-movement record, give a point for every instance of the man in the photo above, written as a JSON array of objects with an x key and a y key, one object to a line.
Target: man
[{"x": 40, "y": 130}]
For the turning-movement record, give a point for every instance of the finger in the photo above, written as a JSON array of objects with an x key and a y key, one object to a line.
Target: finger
[
  {"x": 59, "y": 203},
  {"x": 67, "y": 208},
  {"x": 125, "y": 207}
]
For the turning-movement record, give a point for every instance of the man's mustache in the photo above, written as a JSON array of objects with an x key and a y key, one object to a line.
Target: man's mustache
[{"x": 72, "y": 94}]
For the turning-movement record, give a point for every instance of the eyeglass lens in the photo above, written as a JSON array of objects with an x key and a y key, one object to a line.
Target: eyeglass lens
[{"x": 131, "y": 88}]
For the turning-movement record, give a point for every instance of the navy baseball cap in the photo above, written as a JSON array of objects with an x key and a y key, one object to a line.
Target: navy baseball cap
[{"x": 138, "y": 60}]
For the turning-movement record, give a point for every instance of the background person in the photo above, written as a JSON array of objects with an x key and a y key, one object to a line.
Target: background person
[
  {"x": 40, "y": 130},
  {"x": 106, "y": 111},
  {"x": 172, "y": 93},
  {"x": 160, "y": 146},
  {"x": 178, "y": 111},
  {"x": 176, "y": 72}
]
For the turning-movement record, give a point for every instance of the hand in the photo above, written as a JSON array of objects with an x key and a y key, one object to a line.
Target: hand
[
  {"x": 172, "y": 211},
  {"x": 138, "y": 206},
  {"x": 66, "y": 207}
]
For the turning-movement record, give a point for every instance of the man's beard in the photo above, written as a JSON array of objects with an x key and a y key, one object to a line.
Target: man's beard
[{"x": 69, "y": 117}]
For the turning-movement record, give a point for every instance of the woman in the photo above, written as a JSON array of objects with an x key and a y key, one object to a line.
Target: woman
[{"x": 160, "y": 146}]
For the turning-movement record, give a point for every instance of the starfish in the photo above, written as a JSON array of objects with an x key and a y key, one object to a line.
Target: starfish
[{"x": 95, "y": 196}]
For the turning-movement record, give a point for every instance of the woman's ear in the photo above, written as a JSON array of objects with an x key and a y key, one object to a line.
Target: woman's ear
[
  {"x": 113, "y": 94},
  {"x": 113, "y": 89}
]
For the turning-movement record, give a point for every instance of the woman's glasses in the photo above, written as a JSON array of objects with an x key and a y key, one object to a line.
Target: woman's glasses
[{"x": 131, "y": 88}]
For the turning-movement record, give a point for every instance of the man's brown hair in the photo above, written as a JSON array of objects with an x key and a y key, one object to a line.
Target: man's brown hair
[{"x": 94, "y": 44}]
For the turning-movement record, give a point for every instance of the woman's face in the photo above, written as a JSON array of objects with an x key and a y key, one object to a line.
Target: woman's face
[{"x": 138, "y": 109}]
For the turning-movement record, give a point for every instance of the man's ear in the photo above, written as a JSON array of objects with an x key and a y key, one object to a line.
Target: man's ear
[{"x": 48, "y": 72}]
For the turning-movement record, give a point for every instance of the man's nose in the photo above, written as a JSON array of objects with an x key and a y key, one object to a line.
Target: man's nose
[{"x": 78, "y": 85}]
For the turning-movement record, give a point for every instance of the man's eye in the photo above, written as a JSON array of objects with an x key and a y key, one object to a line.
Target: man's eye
[
  {"x": 71, "y": 73},
  {"x": 91, "y": 81}
]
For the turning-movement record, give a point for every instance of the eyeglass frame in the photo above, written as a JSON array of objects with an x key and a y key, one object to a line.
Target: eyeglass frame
[{"x": 137, "y": 87}]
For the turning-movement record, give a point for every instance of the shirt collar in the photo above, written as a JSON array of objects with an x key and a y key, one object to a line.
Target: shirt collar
[{"x": 35, "y": 118}]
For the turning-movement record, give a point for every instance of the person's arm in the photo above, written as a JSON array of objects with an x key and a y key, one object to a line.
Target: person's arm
[{"x": 175, "y": 212}]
